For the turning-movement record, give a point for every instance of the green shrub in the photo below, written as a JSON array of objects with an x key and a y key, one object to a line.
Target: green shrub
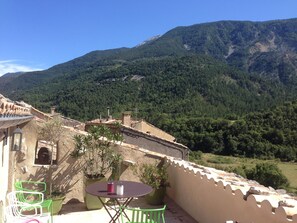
[
  {"x": 220, "y": 160},
  {"x": 268, "y": 174},
  {"x": 195, "y": 155},
  {"x": 240, "y": 170},
  {"x": 201, "y": 162},
  {"x": 153, "y": 174}
]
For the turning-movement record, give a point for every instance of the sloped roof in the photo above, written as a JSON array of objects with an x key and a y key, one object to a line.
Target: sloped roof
[{"x": 13, "y": 113}]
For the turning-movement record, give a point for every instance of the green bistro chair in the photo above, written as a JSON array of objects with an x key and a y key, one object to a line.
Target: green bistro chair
[
  {"x": 138, "y": 215},
  {"x": 31, "y": 186}
]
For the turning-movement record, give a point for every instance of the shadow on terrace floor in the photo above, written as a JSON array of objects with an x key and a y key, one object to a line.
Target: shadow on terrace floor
[{"x": 76, "y": 212}]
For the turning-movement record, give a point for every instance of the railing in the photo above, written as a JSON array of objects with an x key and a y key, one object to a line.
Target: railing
[{"x": 210, "y": 195}]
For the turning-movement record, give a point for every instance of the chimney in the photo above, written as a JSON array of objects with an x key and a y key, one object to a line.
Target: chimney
[
  {"x": 126, "y": 118},
  {"x": 53, "y": 108}
]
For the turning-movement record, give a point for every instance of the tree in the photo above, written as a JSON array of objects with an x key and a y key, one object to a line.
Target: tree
[
  {"x": 268, "y": 174},
  {"x": 51, "y": 131},
  {"x": 96, "y": 149}
]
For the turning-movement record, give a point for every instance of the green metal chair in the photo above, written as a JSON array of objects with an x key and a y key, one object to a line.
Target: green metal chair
[
  {"x": 32, "y": 186},
  {"x": 138, "y": 215}
]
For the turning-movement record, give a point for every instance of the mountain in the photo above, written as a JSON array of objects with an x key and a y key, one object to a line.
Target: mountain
[
  {"x": 176, "y": 86},
  {"x": 212, "y": 69},
  {"x": 265, "y": 48},
  {"x": 9, "y": 77},
  {"x": 149, "y": 40},
  {"x": 13, "y": 75}
]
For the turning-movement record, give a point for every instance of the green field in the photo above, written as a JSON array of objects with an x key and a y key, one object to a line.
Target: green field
[{"x": 289, "y": 169}]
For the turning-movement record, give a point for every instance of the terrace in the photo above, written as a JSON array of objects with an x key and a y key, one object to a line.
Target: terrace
[
  {"x": 74, "y": 213},
  {"x": 202, "y": 194}
]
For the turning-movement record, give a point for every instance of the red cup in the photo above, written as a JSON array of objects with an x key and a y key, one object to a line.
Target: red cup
[{"x": 110, "y": 187}]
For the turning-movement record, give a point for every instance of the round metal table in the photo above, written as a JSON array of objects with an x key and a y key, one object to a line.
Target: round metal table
[{"x": 131, "y": 190}]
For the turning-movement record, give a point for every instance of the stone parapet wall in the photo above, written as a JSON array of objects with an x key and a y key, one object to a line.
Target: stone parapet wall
[{"x": 211, "y": 195}]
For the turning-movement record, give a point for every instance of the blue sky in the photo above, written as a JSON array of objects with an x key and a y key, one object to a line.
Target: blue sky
[{"x": 37, "y": 34}]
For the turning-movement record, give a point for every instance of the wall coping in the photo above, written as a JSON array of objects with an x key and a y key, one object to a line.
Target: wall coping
[{"x": 279, "y": 201}]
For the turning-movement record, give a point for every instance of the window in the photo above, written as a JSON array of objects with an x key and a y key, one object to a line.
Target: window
[{"x": 45, "y": 152}]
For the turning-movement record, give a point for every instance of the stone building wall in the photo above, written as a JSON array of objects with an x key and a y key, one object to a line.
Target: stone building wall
[
  {"x": 67, "y": 172},
  {"x": 153, "y": 130},
  {"x": 154, "y": 144}
]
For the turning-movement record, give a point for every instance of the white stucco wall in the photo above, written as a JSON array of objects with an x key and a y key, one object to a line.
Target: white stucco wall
[{"x": 4, "y": 163}]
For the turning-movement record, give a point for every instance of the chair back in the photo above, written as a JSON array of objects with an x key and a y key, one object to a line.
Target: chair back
[
  {"x": 27, "y": 197},
  {"x": 138, "y": 215},
  {"x": 24, "y": 185}
]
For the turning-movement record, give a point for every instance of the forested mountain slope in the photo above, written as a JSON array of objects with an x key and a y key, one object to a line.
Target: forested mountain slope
[
  {"x": 265, "y": 135},
  {"x": 170, "y": 86},
  {"x": 266, "y": 48},
  {"x": 212, "y": 69}
]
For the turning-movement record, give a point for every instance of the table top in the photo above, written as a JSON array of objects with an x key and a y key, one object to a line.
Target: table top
[{"x": 131, "y": 189}]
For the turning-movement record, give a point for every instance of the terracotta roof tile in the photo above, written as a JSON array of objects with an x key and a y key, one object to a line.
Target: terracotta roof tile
[{"x": 10, "y": 108}]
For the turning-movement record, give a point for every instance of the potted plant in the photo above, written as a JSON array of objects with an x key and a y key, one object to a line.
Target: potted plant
[
  {"x": 156, "y": 176},
  {"x": 57, "y": 196},
  {"x": 96, "y": 148}
]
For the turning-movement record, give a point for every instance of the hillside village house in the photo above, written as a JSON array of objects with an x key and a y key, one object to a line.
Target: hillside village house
[
  {"x": 206, "y": 194},
  {"x": 144, "y": 135}
]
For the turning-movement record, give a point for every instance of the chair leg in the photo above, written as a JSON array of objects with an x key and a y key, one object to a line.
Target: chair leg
[{"x": 51, "y": 211}]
